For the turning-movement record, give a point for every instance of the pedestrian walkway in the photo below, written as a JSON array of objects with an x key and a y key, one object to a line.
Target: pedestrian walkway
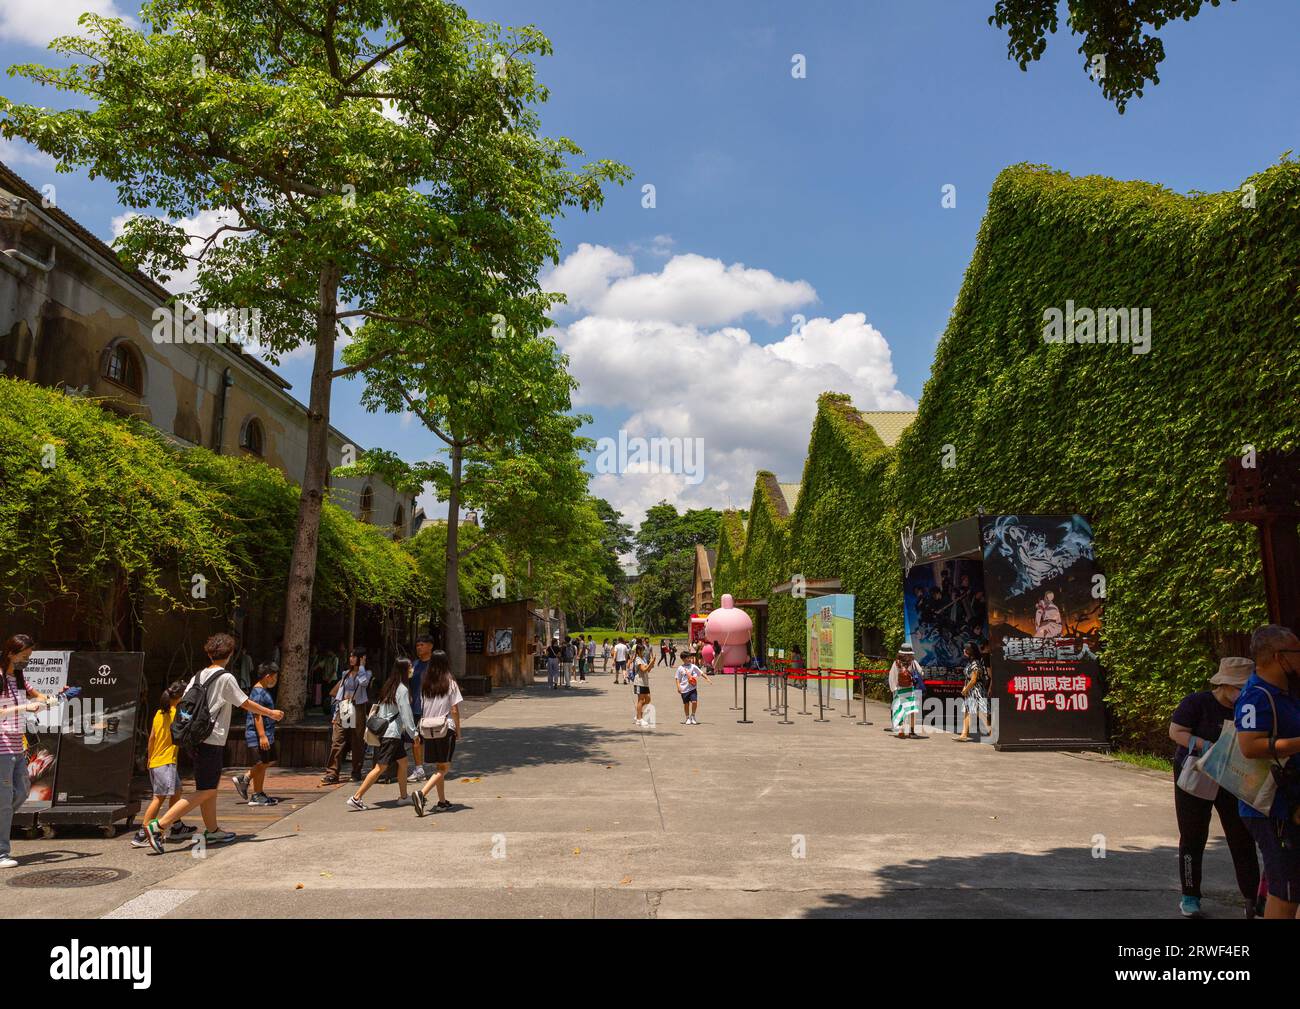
[{"x": 564, "y": 808}]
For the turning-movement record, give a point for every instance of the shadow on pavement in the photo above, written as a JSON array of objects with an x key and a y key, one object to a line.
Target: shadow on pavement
[
  {"x": 492, "y": 749},
  {"x": 1058, "y": 883}
]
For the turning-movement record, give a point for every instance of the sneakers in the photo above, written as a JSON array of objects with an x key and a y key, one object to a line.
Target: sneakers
[
  {"x": 1190, "y": 907},
  {"x": 218, "y": 836},
  {"x": 404, "y": 800},
  {"x": 179, "y": 831},
  {"x": 241, "y": 785},
  {"x": 141, "y": 840},
  {"x": 330, "y": 779},
  {"x": 417, "y": 777},
  {"x": 355, "y": 803},
  {"x": 8, "y": 862},
  {"x": 443, "y": 804},
  {"x": 417, "y": 801},
  {"x": 154, "y": 836},
  {"x": 262, "y": 799}
]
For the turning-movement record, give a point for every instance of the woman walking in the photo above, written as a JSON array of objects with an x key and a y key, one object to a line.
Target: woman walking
[
  {"x": 905, "y": 683},
  {"x": 974, "y": 694},
  {"x": 394, "y": 712},
  {"x": 1196, "y": 724},
  {"x": 440, "y": 698},
  {"x": 16, "y": 699}
]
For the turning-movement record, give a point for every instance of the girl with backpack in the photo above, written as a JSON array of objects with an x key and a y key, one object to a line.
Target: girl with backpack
[
  {"x": 164, "y": 777},
  {"x": 390, "y": 717},
  {"x": 440, "y": 726}
]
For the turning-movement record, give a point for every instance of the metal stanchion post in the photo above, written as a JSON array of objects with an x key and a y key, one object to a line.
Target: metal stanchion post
[
  {"x": 768, "y": 676},
  {"x": 785, "y": 695},
  {"x": 848, "y": 696},
  {"x": 735, "y": 692},
  {"x": 821, "y": 707},
  {"x": 805, "y": 694},
  {"x": 744, "y": 718},
  {"x": 864, "y": 721}
]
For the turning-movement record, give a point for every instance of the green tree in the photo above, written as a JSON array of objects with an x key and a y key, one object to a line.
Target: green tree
[
  {"x": 357, "y": 154},
  {"x": 664, "y": 531},
  {"x": 1117, "y": 49}
]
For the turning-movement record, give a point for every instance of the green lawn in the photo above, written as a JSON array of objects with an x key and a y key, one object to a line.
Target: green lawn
[{"x": 1148, "y": 760}]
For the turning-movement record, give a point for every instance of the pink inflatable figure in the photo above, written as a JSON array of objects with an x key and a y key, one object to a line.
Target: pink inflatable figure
[
  {"x": 732, "y": 629},
  {"x": 706, "y": 655}
]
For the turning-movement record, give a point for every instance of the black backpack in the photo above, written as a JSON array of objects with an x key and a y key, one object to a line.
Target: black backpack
[{"x": 194, "y": 722}]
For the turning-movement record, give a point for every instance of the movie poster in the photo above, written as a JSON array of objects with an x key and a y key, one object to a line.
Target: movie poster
[
  {"x": 96, "y": 760},
  {"x": 1044, "y": 630},
  {"x": 48, "y": 673},
  {"x": 944, "y": 607}
]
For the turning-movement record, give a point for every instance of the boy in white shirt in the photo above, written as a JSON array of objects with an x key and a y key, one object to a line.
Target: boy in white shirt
[{"x": 688, "y": 674}]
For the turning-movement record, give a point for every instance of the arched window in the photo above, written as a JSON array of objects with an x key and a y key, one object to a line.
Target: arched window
[
  {"x": 399, "y": 522},
  {"x": 123, "y": 367},
  {"x": 367, "y": 503},
  {"x": 252, "y": 438}
]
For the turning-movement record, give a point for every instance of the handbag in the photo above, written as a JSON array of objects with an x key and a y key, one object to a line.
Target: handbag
[
  {"x": 1196, "y": 782},
  {"x": 347, "y": 713},
  {"x": 1250, "y": 779},
  {"x": 378, "y": 724},
  {"x": 434, "y": 726}
]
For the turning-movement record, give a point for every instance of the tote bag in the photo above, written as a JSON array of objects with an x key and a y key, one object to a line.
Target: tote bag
[{"x": 1248, "y": 778}]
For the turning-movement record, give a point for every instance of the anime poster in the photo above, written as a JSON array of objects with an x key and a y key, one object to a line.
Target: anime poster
[
  {"x": 944, "y": 606},
  {"x": 48, "y": 673},
  {"x": 830, "y": 637},
  {"x": 1044, "y": 630}
]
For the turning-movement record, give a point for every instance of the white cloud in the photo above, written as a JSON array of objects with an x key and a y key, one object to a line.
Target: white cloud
[
  {"x": 690, "y": 288},
  {"x": 17, "y": 153},
  {"x": 36, "y": 22},
  {"x": 752, "y": 403}
]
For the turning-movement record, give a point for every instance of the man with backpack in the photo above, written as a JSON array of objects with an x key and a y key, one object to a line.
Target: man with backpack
[{"x": 200, "y": 728}]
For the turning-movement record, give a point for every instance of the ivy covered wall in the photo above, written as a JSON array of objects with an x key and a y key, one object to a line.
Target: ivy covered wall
[{"x": 1134, "y": 441}]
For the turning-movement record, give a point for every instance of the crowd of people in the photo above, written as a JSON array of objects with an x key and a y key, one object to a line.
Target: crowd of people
[{"x": 414, "y": 719}]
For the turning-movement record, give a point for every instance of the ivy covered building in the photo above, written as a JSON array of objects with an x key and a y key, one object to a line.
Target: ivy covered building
[{"x": 1012, "y": 421}]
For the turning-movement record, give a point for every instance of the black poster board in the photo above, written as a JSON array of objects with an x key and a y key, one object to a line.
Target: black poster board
[
  {"x": 96, "y": 758},
  {"x": 473, "y": 642}
]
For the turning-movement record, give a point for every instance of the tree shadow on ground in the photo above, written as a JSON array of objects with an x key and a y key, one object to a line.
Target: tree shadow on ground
[
  {"x": 492, "y": 749},
  {"x": 1057, "y": 883}
]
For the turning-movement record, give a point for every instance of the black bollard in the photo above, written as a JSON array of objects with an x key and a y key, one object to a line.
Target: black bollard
[
  {"x": 821, "y": 707},
  {"x": 864, "y": 721},
  {"x": 785, "y": 695},
  {"x": 744, "y": 691}
]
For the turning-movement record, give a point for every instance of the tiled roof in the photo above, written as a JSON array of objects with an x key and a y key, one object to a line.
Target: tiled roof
[{"x": 889, "y": 424}]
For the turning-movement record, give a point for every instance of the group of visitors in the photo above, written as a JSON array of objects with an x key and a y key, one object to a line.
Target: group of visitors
[
  {"x": 1260, "y": 696},
  {"x": 906, "y": 682},
  {"x": 569, "y": 659}
]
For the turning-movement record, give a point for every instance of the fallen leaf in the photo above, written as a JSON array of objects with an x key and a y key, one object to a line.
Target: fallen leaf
[
  {"x": 577, "y": 851},
  {"x": 328, "y": 875},
  {"x": 299, "y": 887},
  {"x": 625, "y": 881},
  {"x": 381, "y": 828}
]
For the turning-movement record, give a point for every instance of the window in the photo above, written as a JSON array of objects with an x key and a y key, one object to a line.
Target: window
[
  {"x": 367, "y": 503},
  {"x": 252, "y": 438},
  {"x": 123, "y": 367},
  {"x": 399, "y": 522}
]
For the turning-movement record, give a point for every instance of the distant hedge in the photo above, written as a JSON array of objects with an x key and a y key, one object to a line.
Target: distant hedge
[
  {"x": 1134, "y": 441},
  {"x": 92, "y": 500}
]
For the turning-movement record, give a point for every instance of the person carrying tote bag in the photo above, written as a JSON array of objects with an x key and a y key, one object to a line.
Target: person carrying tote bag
[{"x": 1200, "y": 721}]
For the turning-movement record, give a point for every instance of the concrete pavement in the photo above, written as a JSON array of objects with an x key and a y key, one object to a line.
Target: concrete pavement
[{"x": 564, "y": 808}]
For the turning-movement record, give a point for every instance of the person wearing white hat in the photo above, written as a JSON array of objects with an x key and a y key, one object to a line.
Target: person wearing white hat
[
  {"x": 905, "y": 680},
  {"x": 1196, "y": 724}
]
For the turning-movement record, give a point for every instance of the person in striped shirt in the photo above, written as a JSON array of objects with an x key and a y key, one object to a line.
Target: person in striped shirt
[{"x": 16, "y": 699}]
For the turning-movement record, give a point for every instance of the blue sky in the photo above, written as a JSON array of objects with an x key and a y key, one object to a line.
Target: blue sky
[{"x": 818, "y": 196}]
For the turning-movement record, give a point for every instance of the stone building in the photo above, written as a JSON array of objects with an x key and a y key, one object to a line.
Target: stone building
[{"x": 73, "y": 317}]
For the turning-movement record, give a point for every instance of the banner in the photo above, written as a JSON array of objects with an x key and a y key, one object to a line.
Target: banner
[
  {"x": 830, "y": 636},
  {"x": 48, "y": 673},
  {"x": 96, "y": 758},
  {"x": 1044, "y": 630}
]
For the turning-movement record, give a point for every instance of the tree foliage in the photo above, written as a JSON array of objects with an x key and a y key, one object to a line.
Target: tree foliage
[{"x": 1114, "y": 31}]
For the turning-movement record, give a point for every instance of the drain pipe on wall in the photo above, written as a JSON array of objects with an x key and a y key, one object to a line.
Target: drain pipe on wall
[{"x": 227, "y": 380}]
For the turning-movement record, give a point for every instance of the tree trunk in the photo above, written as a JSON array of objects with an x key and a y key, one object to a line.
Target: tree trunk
[
  {"x": 454, "y": 622},
  {"x": 302, "y": 566}
]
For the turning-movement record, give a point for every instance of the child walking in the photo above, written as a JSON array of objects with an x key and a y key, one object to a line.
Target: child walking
[
  {"x": 259, "y": 736},
  {"x": 688, "y": 674},
  {"x": 164, "y": 777}
]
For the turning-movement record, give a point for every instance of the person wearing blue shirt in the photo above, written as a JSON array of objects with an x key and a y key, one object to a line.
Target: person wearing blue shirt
[
  {"x": 259, "y": 736},
  {"x": 1267, "y": 716},
  {"x": 423, "y": 649}
]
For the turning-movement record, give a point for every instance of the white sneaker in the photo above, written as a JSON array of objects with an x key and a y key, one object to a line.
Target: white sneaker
[
  {"x": 641, "y": 722},
  {"x": 404, "y": 800},
  {"x": 7, "y": 862},
  {"x": 419, "y": 775}
]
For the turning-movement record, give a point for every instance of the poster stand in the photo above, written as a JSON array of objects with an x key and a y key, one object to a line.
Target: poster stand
[
  {"x": 85, "y": 747},
  {"x": 1027, "y": 589}
]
